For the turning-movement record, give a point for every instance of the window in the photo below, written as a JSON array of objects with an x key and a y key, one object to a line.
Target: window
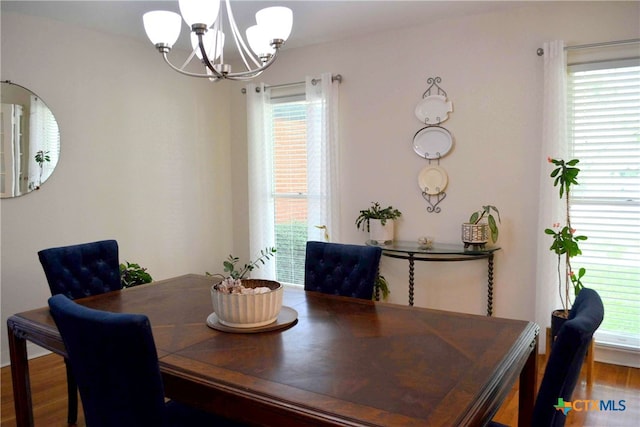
[
  {"x": 604, "y": 133},
  {"x": 289, "y": 136},
  {"x": 292, "y": 147}
]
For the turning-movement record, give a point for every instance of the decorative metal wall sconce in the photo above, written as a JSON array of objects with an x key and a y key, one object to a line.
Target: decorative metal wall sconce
[{"x": 432, "y": 142}]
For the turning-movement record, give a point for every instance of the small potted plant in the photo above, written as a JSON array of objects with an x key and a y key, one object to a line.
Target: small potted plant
[
  {"x": 565, "y": 241},
  {"x": 477, "y": 231},
  {"x": 379, "y": 222},
  {"x": 246, "y": 303},
  {"x": 41, "y": 157},
  {"x": 132, "y": 274},
  {"x": 380, "y": 286}
]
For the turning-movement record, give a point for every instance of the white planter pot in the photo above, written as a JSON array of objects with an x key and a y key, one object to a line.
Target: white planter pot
[
  {"x": 248, "y": 310},
  {"x": 381, "y": 234},
  {"x": 475, "y": 234}
]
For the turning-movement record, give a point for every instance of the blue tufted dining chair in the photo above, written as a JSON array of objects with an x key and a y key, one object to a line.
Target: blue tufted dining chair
[
  {"x": 567, "y": 355},
  {"x": 340, "y": 269},
  {"x": 565, "y": 361},
  {"x": 79, "y": 271},
  {"x": 114, "y": 360},
  {"x": 82, "y": 270}
]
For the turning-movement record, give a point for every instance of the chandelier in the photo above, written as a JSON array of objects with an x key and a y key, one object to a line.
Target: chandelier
[{"x": 204, "y": 19}]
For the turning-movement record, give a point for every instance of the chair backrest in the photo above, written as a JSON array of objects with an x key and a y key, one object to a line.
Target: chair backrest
[
  {"x": 82, "y": 270},
  {"x": 340, "y": 269},
  {"x": 114, "y": 361},
  {"x": 567, "y": 356}
]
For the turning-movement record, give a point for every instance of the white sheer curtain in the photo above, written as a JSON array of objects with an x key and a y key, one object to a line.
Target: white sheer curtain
[
  {"x": 323, "y": 202},
  {"x": 37, "y": 132},
  {"x": 554, "y": 144},
  {"x": 44, "y": 136},
  {"x": 322, "y": 165},
  {"x": 260, "y": 153}
]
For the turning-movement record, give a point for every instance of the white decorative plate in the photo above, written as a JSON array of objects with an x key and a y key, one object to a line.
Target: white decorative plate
[
  {"x": 432, "y": 142},
  {"x": 433, "y": 109},
  {"x": 433, "y": 180}
]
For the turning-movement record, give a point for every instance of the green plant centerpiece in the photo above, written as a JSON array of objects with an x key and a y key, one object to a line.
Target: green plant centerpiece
[
  {"x": 379, "y": 222},
  {"x": 232, "y": 280},
  {"x": 132, "y": 274},
  {"x": 565, "y": 242},
  {"x": 240, "y": 302},
  {"x": 477, "y": 231}
]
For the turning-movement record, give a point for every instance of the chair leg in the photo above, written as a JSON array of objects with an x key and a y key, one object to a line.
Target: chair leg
[
  {"x": 547, "y": 350},
  {"x": 589, "y": 362},
  {"x": 72, "y": 392}
]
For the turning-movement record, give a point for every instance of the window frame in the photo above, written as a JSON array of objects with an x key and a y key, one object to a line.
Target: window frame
[{"x": 582, "y": 205}]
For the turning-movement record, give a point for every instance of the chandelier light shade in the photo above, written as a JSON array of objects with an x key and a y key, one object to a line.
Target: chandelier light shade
[
  {"x": 204, "y": 19},
  {"x": 162, "y": 27},
  {"x": 258, "y": 41},
  {"x": 199, "y": 11},
  {"x": 277, "y": 21}
]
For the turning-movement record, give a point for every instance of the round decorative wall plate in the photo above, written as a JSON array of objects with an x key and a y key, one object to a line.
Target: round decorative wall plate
[
  {"x": 432, "y": 142},
  {"x": 433, "y": 180},
  {"x": 433, "y": 109}
]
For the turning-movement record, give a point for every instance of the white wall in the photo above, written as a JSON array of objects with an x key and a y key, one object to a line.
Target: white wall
[
  {"x": 491, "y": 73},
  {"x": 144, "y": 159},
  {"x": 158, "y": 161}
]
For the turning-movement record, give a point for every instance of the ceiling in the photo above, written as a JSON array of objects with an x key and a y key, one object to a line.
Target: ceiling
[{"x": 314, "y": 21}]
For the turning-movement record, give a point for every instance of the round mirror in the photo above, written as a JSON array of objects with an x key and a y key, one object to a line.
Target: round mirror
[{"x": 30, "y": 141}]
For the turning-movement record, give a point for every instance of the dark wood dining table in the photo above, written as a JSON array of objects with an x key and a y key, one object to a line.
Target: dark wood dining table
[{"x": 344, "y": 362}]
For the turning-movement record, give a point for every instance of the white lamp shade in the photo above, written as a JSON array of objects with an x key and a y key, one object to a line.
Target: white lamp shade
[
  {"x": 209, "y": 39},
  {"x": 199, "y": 11},
  {"x": 162, "y": 26},
  {"x": 258, "y": 41},
  {"x": 277, "y": 22}
]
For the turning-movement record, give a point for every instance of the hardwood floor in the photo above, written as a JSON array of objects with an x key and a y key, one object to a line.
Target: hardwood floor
[
  {"x": 611, "y": 382},
  {"x": 48, "y": 393}
]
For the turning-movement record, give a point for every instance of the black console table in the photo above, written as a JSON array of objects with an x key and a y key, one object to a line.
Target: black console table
[{"x": 440, "y": 252}]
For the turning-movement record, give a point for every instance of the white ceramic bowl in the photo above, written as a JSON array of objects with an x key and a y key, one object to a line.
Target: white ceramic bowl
[{"x": 248, "y": 310}]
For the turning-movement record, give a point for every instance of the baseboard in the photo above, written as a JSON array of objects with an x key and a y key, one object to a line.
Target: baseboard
[
  {"x": 33, "y": 351},
  {"x": 617, "y": 355}
]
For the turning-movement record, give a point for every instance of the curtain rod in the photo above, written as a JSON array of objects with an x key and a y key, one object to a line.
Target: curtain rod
[
  {"x": 540, "y": 50},
  {"x": 334, "y": 78}
]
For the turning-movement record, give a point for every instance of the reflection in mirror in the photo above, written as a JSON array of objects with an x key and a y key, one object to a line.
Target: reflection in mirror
[{"x": 30, "y": 141}]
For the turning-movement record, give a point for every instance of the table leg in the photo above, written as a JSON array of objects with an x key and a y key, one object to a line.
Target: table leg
[
  {"x": 528, "y": 383},
  {"x": 490, "y": 287},
  {"x": 20, "y": 377},
  {"x": 411, "y": 269}
]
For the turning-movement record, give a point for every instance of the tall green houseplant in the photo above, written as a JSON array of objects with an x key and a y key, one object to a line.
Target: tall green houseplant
[{"x": 565, "y": 240}]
